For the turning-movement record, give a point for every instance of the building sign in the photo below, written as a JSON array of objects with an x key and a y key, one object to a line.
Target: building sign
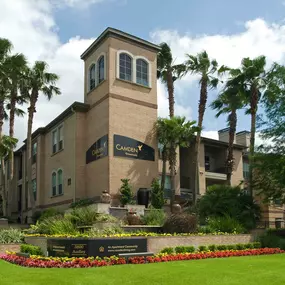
[
  {"x": 98, "y": 150},
  {"x": 95, "y": 247},
  {"x": 127, "y": 147}
]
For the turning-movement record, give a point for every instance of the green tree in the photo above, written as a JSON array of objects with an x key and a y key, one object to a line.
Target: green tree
[
  {"x": 229, "y": 101},
  {"x": 168, "y": 73},
  {"x": 205, "y": 68},
  {"x": 252, "y": 78},
  {"x": 37, "y": 80},
  {"x": 126, "y": 192},
  {"x": 173, "y": 133},
  {"x": 157, "y": 199}
]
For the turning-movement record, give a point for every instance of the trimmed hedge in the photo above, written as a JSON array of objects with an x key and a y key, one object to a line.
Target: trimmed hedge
[
  {"x": 213, "y": 247},
  {"x": 31, "y": 249}
]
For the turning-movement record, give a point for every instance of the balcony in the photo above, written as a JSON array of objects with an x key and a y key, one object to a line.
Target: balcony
[{"x": 215, "y": 174}]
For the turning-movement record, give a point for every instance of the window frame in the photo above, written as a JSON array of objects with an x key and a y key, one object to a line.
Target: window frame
[
  {"x": 55, "y": 147},
  {"x": 101, "y": 57},
  {"x": 132, "y": 66},
  {"x": 89, "y": 77},
  {"x": 58, "y": 184},
  {"x": 53, "y": 174},
  {"x": 55, "y": 177},
  {"x": 147, "y": 71},
  {"x": 34, "y": 155}
]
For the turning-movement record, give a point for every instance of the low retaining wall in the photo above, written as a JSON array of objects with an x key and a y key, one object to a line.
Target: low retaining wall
[
  {"x": 9, "y": 247},
  {"x": 156, "y": 244}
]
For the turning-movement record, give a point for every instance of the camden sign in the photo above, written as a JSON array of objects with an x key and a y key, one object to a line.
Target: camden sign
[
  {"x": 63, "y": 247},
  {"x": 128, "y": 147},
  {"x": 98, "y": 150}
]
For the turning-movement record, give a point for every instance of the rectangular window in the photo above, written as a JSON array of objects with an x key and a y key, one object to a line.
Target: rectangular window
[
  {"x": 245, "y": 170},
  {"x": 54, "y": 141},
  {"x": 54, "y": 184},
  {"x": 34, "y": 150},
  {"x": 60, "y": 138},
  {"x": 34, "y": 185},
  {"x": 207, "y": 163},
  {"x": 59, "y": 177},
  {"x": 167, "y": 187}
]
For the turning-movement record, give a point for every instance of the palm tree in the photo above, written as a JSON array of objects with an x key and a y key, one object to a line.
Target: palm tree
[
  {"x": 172, "y": 133},
  {"x": 205, "y": 68},
  {"x": 38, "y": 80},
  {"x": 168, "y": 72},
  {"x": 228, "y": 102},
  {"x": 252, "y": 78},
  {"x": 16, "y": 64}
]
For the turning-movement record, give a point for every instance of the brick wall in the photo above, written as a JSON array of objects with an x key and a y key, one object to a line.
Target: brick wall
[{"x": 9, "y": 247}]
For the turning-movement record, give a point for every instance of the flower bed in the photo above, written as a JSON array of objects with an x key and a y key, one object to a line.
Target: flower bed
[{"x": 55, "y": 262}]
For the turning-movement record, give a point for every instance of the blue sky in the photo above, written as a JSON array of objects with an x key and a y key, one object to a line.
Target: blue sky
[{"x": 228, "y": 30}]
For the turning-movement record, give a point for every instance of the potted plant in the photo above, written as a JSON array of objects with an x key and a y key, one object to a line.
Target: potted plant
[{"x": 133, "y": 218}]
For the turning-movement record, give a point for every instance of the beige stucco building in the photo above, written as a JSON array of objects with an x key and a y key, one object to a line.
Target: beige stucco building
[{"x": 91, "y": 146}]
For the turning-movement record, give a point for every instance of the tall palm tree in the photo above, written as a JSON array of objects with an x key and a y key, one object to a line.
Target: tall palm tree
[
  {"x": 168, "y": 73},
  {"x": 172, "y": 133},
  {"x": 16, "y": 65},
  {"x": 252, "y": 78},
  {"x": 228, "y": 102},
  {"x": 205, "y": 68},
  {"x": 38, "y": 80}
]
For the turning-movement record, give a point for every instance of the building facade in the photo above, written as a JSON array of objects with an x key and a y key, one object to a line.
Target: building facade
[{"x": 91, "y": 146}]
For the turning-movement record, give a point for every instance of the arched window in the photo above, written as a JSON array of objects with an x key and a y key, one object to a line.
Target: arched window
[
  {"x": 125, "y": 67},
  {"x": 92, "y": 76},
  {"x": 142, "y": 72},
  {"x": 59, "y": 182},
  {"x": 101, "y": 71},
  {"x": 53, "y": 182}
]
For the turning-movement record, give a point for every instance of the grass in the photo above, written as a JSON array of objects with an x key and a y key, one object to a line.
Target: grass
[{"x": 261, "y": 270}]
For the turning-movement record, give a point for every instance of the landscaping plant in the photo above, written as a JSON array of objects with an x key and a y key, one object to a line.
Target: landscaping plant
[
  {"x": 11, "y": 236},
  {"x": 126, "y": 192},
  {"x": 154, "y": 217},
  {"x": 157, "y": 199},
  {"x": 180, "y": 223},
  {"x": 31, "y": 249}
]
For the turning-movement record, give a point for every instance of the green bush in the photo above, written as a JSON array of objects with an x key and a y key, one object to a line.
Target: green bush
[
  {"x": 11, "y": 236},
  {"x": 126, "y": 192},
  {"x": 224, "y": 200},
  {"x": 180, "y": 249},
  {"x": 212, "y": 247},
  {"x": 84, "y": 216},
  {"x": 51, "y": 212},
  {"x": 189, "y": 249},
  {"x": 168, "y": 250},
  {"x": 157, "y": 199},
  {"x": 256, "y": 245},
  {"x": 225, "y": 224},
  {"x": 154, "y": 217},
  {"x": 106, "y": 218},
  {"x": 180, "y": 223},
  {"x": 221, "y": 247},
  {"x": 240, "y": 246},
  {"x": 231, "y": 247},
  {"x": 93, "y": 232},
  {"x": 31, "y": 249},
  {"x": 249, "y": 246},
  {"x": 81, "y": 203},
  {"x": 202, "y": 248}
]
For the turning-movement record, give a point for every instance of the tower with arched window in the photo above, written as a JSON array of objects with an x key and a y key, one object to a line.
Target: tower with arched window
[{"x": 120, "y": 88}]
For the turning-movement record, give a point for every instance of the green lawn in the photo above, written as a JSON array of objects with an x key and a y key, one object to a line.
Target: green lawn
[{"x": 261, "y": 270}]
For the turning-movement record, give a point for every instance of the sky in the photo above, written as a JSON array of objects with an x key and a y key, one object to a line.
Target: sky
[{"x": 58, "y": 31}]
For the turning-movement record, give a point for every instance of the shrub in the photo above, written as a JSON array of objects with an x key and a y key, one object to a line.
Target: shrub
[
  {"x": 180, "y": 223},
  {"x": 221, "y": 200},
  {"x": 231, "y": 247},
  {"x": 106, "y": 218},
  {"x": 84, "y": 216},
  {"x": 31, "y": 249},
  {"x": 93, "y": 232},
  {"x": 180, "y": 249},
  {"x": 157, "y": 199},
  {"x": 81, "y": 203},
  {"x": 36, "y": 216},
  {"x": 221, "y": 247},
  {"x": 49, "y": 213},
  {"x": 240, "y": 246},
  {"x": 212, "y": 247},
  {"x": 271, "y": 240},
  {"x": 249, "y": 246},
  {"x": 189, "y": 249},
  {"x": 11, "y": 236},
  {"x": 154, "y": 217},
  {"x": 256, "y": 245},
  {"x": 225, "y": 224},
  {"x": 168, "y": 250},
  {"x": 126, "y": 192},
  {"x": 202, "y": 248}
]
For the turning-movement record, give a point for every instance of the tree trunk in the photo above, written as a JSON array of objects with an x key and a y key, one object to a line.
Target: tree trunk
[
  {"x": 230, "y": 156},
  {"x": 253, "y": 111},
  {"x": 172, "y": 165},
  {"x": 163, "y": 174},
  {"x": 11, "y": 155},
  {"x": 31, "y": 111},
  {"x": 201, "y": 112},
  {"x": 3, "y": 188},
  {"x": 170, "y": 89}
]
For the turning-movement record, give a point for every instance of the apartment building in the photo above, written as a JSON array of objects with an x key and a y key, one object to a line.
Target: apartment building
[{"x": 92, "y": 145}]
